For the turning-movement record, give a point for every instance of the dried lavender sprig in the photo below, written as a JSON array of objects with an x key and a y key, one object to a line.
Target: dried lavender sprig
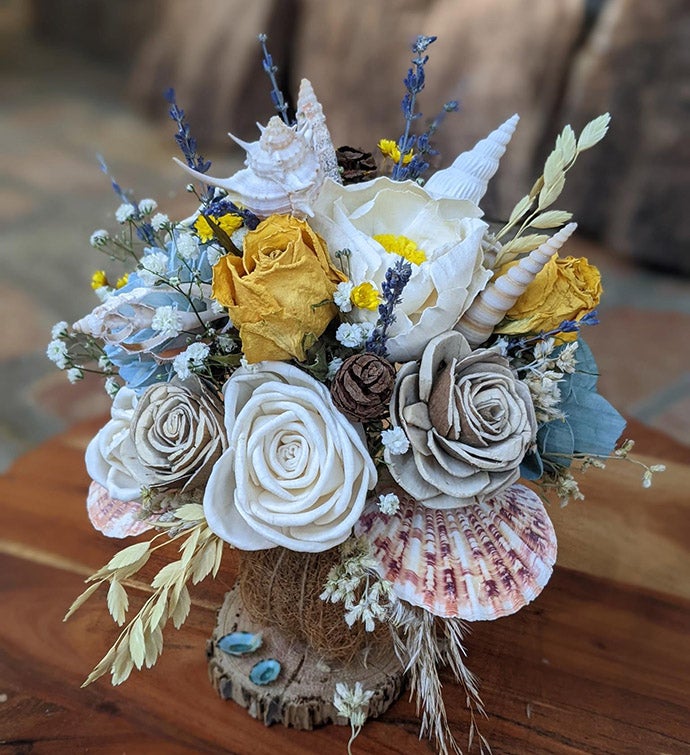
[
  {"x": 276, "y": 95},
  {"x": 183, "y": 137},
  {"x": 414, "y": 83},
  {"x": 397, "y": 277},
  {"x": 123, "y": 197},
  {"x": 567, "y": 326},
  {"x": 143, "y": 228}
]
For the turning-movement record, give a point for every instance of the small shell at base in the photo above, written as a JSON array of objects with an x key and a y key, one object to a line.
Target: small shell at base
[
  {"x": 265, "y": 672},
  {"x": 112, "y": 517},
  {"x": 240, "y": 643},
  {"x": 477, "y": 562}
]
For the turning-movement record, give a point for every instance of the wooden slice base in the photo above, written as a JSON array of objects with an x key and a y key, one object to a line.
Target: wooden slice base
[{"x": 302, "y": 695}]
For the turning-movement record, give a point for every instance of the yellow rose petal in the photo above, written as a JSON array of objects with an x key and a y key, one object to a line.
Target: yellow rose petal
[
  {"x": 280, "y": 293},
  {"x": 567, "y": 288}
]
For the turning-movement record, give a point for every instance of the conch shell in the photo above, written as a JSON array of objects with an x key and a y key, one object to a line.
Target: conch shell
[
  {"x": 490, "y": 307},
  {"x": 477, "y": 562},
  {"x": 470, "y": 173},
  {"x": 311, "y": 123},
  {"x": 282, "y": 174}
]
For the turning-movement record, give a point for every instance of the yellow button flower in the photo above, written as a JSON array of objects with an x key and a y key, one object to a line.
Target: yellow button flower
[
  {"x": 99, "y": 279},
  {"x": 122, "y": 281},
  {"x": 390, "y": 149},
  {"x": 401, "y": 245},
  {"x": 567, "y": 288},
  {"x": 365, "y": 296},
  {"x": 228, "y": 223},
  {"x": 280, "y": 292}
]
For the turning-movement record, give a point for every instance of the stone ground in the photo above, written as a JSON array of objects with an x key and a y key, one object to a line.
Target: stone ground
[{"x": 58, "y": 111}]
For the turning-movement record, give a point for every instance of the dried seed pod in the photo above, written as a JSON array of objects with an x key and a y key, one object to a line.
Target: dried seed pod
[
  {"x": 362, "y": 387},
  {"x": 356, "y": 165}
]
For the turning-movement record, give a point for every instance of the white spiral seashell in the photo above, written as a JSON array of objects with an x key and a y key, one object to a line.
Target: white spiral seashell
[
  {"x": 282, "y": 173},
  {"x": 477, "y": 562},
  {"x": 311, "y": 123},
  {"x": 469, "y": 175},
  {"x": 490, "y": 307}
]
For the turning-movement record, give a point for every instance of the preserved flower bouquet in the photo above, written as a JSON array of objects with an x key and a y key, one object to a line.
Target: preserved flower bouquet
[{"x": 336, "y": 357}]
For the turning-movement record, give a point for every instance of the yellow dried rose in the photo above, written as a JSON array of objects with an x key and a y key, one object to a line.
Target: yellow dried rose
[
  {"x": 279, "y": 293},
  {"x": 566, "y": 289}
]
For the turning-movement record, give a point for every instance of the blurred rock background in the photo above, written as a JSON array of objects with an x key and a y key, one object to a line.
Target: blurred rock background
[{"x": 81, "y": 77}]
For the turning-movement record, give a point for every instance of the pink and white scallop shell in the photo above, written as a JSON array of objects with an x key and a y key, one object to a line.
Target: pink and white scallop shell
[
  {"x": 477, "y": 562},
  {"x": 112, "y": 517}
]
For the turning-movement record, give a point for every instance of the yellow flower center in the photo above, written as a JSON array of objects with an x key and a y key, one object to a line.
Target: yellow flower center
[
  {"x": 390, "y": 149},
  {"x": 228, "y": 223},
  {"x": 401, "y": 245},
  {"x": 99, "y": 279},
  {"x": 365, "y": 296}
]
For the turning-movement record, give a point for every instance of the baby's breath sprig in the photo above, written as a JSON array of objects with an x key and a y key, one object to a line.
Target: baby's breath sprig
[
  {"x": 531, "y": 211},
  {"x": 356, "y": 583},
  {"x": 561, "y": 481},
  {"x": 353, "y": 704},
  {"x": 141, "y": 641}
]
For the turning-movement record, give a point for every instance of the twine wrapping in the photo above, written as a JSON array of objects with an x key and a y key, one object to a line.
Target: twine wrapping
[{"x": 281, "y": 588}]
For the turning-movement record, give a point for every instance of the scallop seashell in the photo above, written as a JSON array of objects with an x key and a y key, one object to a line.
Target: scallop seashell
[
  {"x": 240, "y": 643},
  {"x": 490, "y": 307},
  {"x": 265, "y": 672},
  {"x": 311, "y": 123},
  {"x": 477, "y": 562},
  {"x": 112, "y": 517},
  {"x": 282, "y": 173},
  {"x": 469, "y": 175}
]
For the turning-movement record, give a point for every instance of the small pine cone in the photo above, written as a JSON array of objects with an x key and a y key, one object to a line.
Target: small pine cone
[
  {"x": 363, "y": 386},
  {"x": 355, "y": 165}
]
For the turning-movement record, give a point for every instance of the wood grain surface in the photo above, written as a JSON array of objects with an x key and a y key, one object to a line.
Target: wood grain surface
[{"x": 599, "y": 663}]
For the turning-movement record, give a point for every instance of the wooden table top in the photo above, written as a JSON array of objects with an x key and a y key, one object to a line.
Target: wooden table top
[{"x": 599, "y": 663}]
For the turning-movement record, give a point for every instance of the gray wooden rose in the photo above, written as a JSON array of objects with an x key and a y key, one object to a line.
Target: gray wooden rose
[
  {"x": 469, "y": 421},
  {"x": 177, "y": 434}
]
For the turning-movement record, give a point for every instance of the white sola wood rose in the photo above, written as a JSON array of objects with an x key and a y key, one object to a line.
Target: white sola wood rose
[
  {"x": 380, "y": 220},
  {"x": 296, "y": 473},
  {"x": 110, "y": 455},
  {"x": 469, "y": 422}
]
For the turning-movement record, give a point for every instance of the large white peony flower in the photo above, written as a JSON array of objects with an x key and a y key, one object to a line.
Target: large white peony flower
[
  {"x": 297, "y": 471},
  {"x": 110, "y": 456},
  {"x": 442, "y": 238}
]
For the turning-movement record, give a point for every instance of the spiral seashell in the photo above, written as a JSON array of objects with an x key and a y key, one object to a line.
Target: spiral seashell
[
  {"x": 112, "y": 517},
  {"x": 477, "y": 562},
  {"x": 469, "y": 175},
  {"x": 282, "y": 173},
  {"x": 490, "y": 307},
  {"x": 311, "y": 123}
]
